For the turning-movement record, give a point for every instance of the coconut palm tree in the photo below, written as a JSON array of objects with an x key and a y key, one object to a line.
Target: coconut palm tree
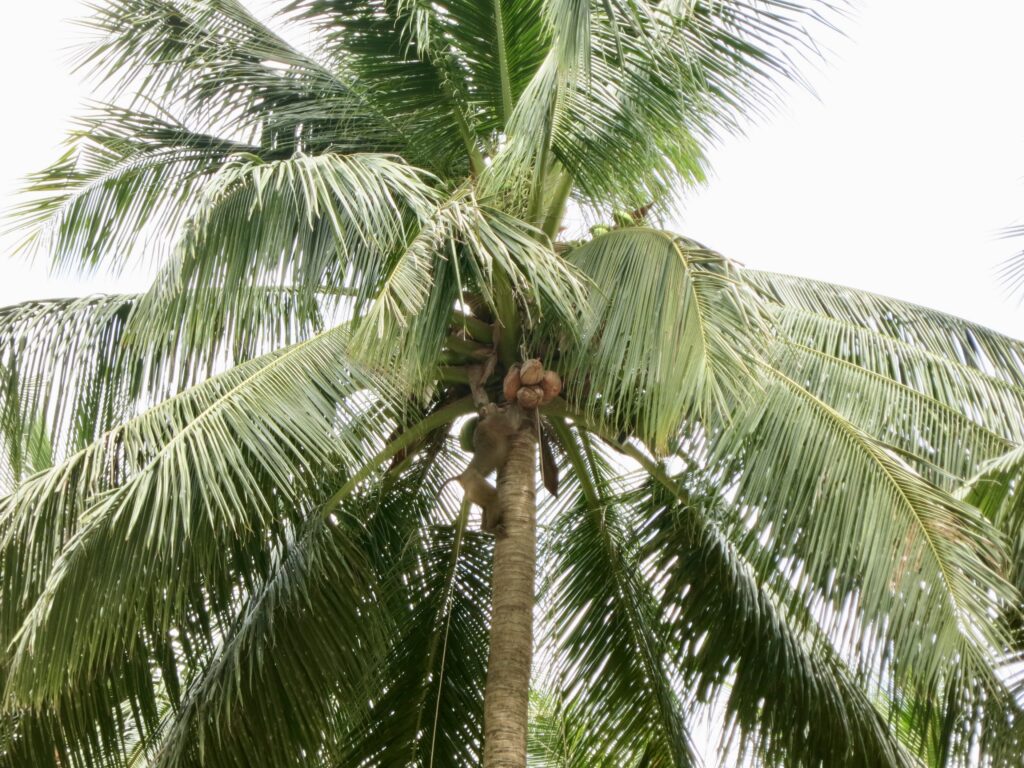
[{"x": 230, "y": 538}]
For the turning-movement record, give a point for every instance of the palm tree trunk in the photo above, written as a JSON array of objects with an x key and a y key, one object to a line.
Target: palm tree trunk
[{"x": 506, "y": 699}]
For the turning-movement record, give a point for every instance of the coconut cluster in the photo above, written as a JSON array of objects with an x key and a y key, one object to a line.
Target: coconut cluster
[{"x": 530, "y": 385}]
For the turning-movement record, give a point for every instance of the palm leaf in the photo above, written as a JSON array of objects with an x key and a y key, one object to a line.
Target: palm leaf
[
  {"x": 466, "y": 248},
  {"x": 319, "y": 601},
  {"x": 159, "y": 505},
  {"x": 215, "y": 61},
  {"x": 560, "y": 737},
  {"x": 428, "y": 706},
  {"x": 60, "y": 367},
  {"x": 987, "y": 399},
  {"x": 786, "y": 690},
  {"x": 669, "y": 335},
  {"x": 1012, "y": 270},
  {"x": 605, "y": 638},
  {"x": 939, "y": 440},
  {"x": 997, "y": 490},
  {"x": 71, "y": 372},
  {"x": 936, "y": 333},
  {"x": 127, "y": 181},
  {"x": 314, "y": 226},
  {"x": 386, "y": 48},
  {"x": 871, "y": 538}
]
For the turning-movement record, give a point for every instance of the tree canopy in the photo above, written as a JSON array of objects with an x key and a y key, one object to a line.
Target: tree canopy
[{"x": 788, "y": 506}]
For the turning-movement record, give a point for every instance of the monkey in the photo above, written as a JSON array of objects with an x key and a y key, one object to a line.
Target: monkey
[{"x": 490, "y": 451}]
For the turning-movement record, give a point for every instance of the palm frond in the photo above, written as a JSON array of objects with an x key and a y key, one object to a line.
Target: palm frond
[
  {"x": 26, "y": 446},
  {"x": 389, "y": 50},
  {"x": 560, "y": 737},
  {"x": 329, "y": 589},
  {"x": 1011, "y": 272},
  {"x": 997, "y": 490},
  {"x": 96, "y": 726},
  {"x": 785, "y": 689},
  {"x": 988, "y": 399},
  {"x": 633, "y": 91},
  {"x": 936, "y": 333},
  {"x": 162, "y": 503},
  {"x": 466, "y": 247},
  {"x": 71, "y": 372},
  {"x": 669, "y": 335},
  {"x": 320, "y": 602},
  {"x": 606, "y": 641},
  {"x": 327, "y": 228},
  {"x": 215, "y": 61},
  {"x": 428, "y": 705},
  {"x": 125, "y": 184},
  {"x": 60, "y": 368},
  {"x": 940, "y": 441},
  {"x": 846, "y": 521}
]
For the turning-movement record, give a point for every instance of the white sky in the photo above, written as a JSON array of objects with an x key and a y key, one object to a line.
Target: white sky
[{"x": 896, "y": 178}]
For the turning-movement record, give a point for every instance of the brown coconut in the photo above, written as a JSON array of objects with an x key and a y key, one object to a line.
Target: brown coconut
[
  {"x": 529, "y": 397},
  {"x": 512, "y": 383},
  {"x": 551, "y": 385},
  {"x": 531, "y": 372}
]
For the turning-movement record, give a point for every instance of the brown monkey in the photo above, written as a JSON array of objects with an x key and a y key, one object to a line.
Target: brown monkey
[{"x": 490, "y": 451}]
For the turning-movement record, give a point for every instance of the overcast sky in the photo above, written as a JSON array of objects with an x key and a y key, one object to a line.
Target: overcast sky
[{"x": 896, "y": 177}]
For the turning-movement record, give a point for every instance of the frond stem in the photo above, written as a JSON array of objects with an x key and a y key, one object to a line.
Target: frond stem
[
  {"x": 474, "y": 326},
  {"x": 508, "y": 318},
  {"x": 576, "y": 459},
  {"x": 553, "y": 220},
  {"x": 506, "y": 83},
  {"x": 438, "y": 418},
  {"x": 476, "y": 160},
  {"x": 446, "y": 606}
]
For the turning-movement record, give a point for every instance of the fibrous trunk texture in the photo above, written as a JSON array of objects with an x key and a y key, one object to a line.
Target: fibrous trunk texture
[{"x": 507, "y": 694}]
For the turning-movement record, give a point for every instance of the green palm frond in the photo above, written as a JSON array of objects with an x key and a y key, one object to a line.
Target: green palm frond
[
  {"x": 71, "y": 370},
  {"x": 632, "y": 91},
  {"x": 607, "y": 642},
  {"x": 517, "y": 30},
  {"x": 788, "y": 693},
  {"x": 329, "y": 591},
  {"x": 319, "y": 221},
  {"x": 60, "y": 366},
  {"x": 988, "y": 398},
  {"x": 930, "y": 331},
  {"x": 428, "y": 706},
  {"x": 161, "y": 503},
  {"x": 315, "y": 226},
  {"x": 320, "y": 601},
  {"x": 93, "y": 727},
  {"x": 997, "y": 490},
  {"x": 939, "y": 440},
  {"x": 1011, "y": 272},
  {"x": 556, "y": 739},
  {"x": 127, "y": 181},
  {"x": 387, "y": 48},
  {"x": 669, "y": 335},
  {"x": 215, "y": 61},
  {"x": 466, "y": 248},
  {"x": 560, "y": 737},
  {"x": 848, "y": 520},
  {"x": 620, "y": 132},
  {"x": 25, "y": 446}
]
